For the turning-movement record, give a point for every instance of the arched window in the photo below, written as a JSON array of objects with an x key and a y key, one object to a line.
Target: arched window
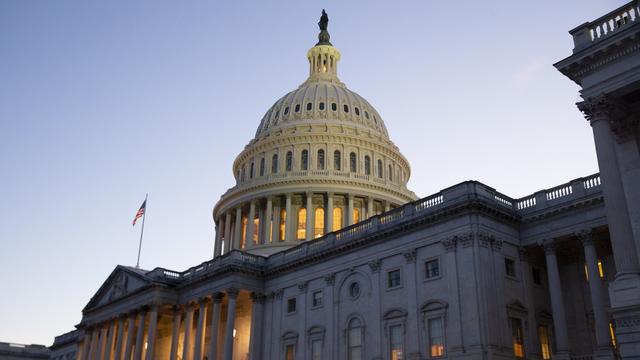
[
  {"x": 320, "y": 159},
  {"x": 302, "y": 224},
  {"x": 337, "y": 219},
  {"x": 337, "y": 160},
  {"x": 367, "y": 165},
  {"x": 318, "y": 230},
  {"x": 262, "y": 167},
  {"x": 380, "y": 168},
  {"x": 334, "y": 106},
  {"x": 243, "y": 174},
  {"x": 251, "y": 172},
  {"x": 304, "y": 160},
  {"x": 297, "y": 109},
  {"x": 357, "y": 111},
  {"x": 352, "y": 162},
  {"x": 390, "y": 173},
  {"x": 356, "y": 215},
  {"x": 274, "y": 164},
  {"x": 355, "y": 348},
  {"x": 289, "y": 161},
  {"x": 286, "y": 110},
  {"x": 346, "y": 108},
  {"x": 321, "y": 106},
  {"x": 283, "y": 222},
  {"x": 309, "y": 106}
]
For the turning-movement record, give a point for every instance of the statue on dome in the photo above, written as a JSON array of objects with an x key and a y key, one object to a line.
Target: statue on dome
[
  {"x": 323, "y": 37},
  {"x": 324, "y": 21}
]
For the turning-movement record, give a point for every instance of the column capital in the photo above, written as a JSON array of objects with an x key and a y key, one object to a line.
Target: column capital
[
  {"x": 288, "y": 196},
  {"x": 330, "y": 194},
  {"x": 257, "y": 298},
  {"x": 549, "y": 246},
  {"x": 350, "y": 196},
  {"x": 585, "y": 236},
  {"x": 232, "y": 293},
  {"x": 410, "y": 255},
  {"x": 203, "y": 300},
  {"x": 596, "y": 108},
  {"x": 217, "y": 297},
  {"x": 450, "y": 243},
  {"x": 303, "y": 286}
]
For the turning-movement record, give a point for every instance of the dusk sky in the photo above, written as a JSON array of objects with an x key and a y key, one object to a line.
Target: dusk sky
[{"x": 102, "y": 102}]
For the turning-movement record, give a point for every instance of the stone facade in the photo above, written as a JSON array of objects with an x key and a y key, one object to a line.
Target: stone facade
[
  {"x": 10, "y": 351},
  {"x": 466, "y": 273}
]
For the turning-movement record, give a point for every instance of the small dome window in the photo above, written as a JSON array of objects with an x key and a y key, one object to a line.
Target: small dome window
[
  {"x": 366, "y": 114},
  {"x": 309, "y": 106},
  {"x": 286, "y": 110},
  {"x": 357, "y": 111},
  {"x": 321, "y": 106},
  {"x": 334, "y": 106},
  {"x": 297, "y": 108},
  {"x": 346, "y": 108}
]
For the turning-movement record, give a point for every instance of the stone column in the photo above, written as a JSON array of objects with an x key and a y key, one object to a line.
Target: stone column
[
  {"x": 289, "y": 219},
  {"x": 412, "y": 346},
  {"x": 95, "y": 344},
  {"x": 454, "y": 330},
  {"x": 232, "y": 293},
  {"x": 175, "y": 333},
  {"x": 268, "y": 213},
  {"x": 215, "y": 323},
  {"x": 310, "y": 217},
  {"x": 197, "y": 352},
  {"x": 118, "y": 350},
  {"x": 532, "y": 342},
  {"x": 86, "y": 344},
  {"x": 250, "y": 226},
  {"x": 328, "y": 222},
  {"x": 137, "y": 354},
  {"x": 103, "y": 341},
  {"x": 217, "y": 248},
  {"x": 187, "y": 331},
  {"x": 128, "y": 346},
  {"x": 349, "y": 209},
  {"x": 227, "y": 230},
  {"x": 369, "y": 207},
  {"x": 275, "y": 233},
  {"x": 557, "y": 303},
  {"x": 151, "y": 331},
  {"x": 238, "y": 230},
  {"x": 255, "y": 340},
  {"x": 603, "y": 339}
]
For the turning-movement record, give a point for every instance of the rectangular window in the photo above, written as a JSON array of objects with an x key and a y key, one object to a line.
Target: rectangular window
[
  {"x": 517, "y": 337},
  {"x": 432, "y": 269},
  {"x": 537, "y": 278},
  {"x": 291, "y": 305},
  {"x": 545, "y": 347},
  {"x": 436, "y": 337},
  {"x": 396, "y": 342},
  {"x": 510, "y": 267},
  {"x": 316, "y": 299},
  {"x": 612, "y": 332},
  {"x": 316, "y": 349},
  {"x": 290, "y": 352},
  {"x": 393, "y": 279}
]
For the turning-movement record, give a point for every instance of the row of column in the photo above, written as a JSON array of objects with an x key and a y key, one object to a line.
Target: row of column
[
  {"x": 596, "y": 289},
  {"x": 231, "y": 231}
]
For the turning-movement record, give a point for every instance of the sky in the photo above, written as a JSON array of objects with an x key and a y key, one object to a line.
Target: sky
[{"x": 102, "y": 102}]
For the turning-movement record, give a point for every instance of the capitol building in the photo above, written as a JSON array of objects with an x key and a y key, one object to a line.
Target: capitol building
[{"x": 322, "y": 252}]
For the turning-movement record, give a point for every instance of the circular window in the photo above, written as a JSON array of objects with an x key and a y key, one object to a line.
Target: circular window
[{"x": 354, "y": 290}]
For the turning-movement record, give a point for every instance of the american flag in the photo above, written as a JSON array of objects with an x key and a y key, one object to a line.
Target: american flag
[{"x": 140, "y": 212}]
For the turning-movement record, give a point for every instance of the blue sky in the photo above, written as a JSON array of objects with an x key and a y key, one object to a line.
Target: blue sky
[{"x": 102, "y": 102}]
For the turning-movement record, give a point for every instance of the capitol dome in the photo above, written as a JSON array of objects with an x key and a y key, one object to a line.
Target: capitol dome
[{"x": 321, "y": 160}]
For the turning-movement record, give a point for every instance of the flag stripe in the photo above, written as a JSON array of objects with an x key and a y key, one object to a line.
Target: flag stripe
[{"x": 140, "y": 212}]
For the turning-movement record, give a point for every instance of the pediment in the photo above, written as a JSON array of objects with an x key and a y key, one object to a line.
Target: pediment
[{"x": 122, "y": 281}]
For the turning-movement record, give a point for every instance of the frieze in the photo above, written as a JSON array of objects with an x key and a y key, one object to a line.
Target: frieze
[
  {"x": 410, "y": 255},
  {"x": 374, "y": 265},
  {"x": 450, "y": 243}
]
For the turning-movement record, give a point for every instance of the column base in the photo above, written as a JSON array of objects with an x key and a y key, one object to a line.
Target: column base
[
  {"x": 625, "y": 290},
  {"x": 561, "y": 355},
  {"x": 604, "y": 353},
  {"x": 627, "y": 320}
]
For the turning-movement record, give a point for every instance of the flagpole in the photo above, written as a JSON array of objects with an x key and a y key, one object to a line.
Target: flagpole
[{"x": 142, "y": 230}]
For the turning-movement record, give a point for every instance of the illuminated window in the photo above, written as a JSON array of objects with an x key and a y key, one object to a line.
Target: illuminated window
[
  {"x": 352, "y": 162},
  {"x": 290, "y": 352},
  {"x": 337, "y": 160},
  {"x": 337, "y": 219},
  {"x": 302, "y": 224},
  {"x": 356, "y": 215},
  {"x": 304, "y": 160},
  {"x": 367, "y": 165},
  {"x": 600, "y": 269},
  {"x": 274, "y": 164},
  {"x": 396, "y": 342},
  {"x": 318, "y": 230},
  {"x": 613, "y": 335},
  {"x": 283, "y": 222},
  {"x": 354, "y": 340},
  {"x": 244, "y": 232},
  {"x": 436, "y": 337},
  {"x": 316, "y": 349},
  {"x": 545, "y": 347},
  {"x": 517, "y": 337},
  {"x": 320, "y": 159},
  {"x": 289, "y": 161},
  {"x": 256, "y": 227}
]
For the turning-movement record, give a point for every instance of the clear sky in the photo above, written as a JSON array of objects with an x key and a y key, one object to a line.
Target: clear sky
[{"x": 101, "y": 102}]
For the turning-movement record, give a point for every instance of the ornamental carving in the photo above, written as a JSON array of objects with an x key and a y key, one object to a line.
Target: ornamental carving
[
  {"x": 375, "y": 265},
  {"x": 549, "y": 246},
  {"x": 330, "y": 279},
  {"x": 489, "y": 241},
  {"x": 119, "y": 288},
  {"x": 621, "y": 120},
  {"x": 450, "y": 243},
  {"x": 257, "y": 298},
  {"x": 585, "y": 236},
  {"x": 466, "y": 240},
  {"x": 303, "y": 286},
  {"x": 596, "y": 108},
  {"x": 410, "y": 255}
]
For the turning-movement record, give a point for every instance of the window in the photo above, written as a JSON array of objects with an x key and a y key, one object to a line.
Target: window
[
  {"x": 432, "y": 269},
  {"x": 367, "y": 165},
  {"x": 545, "y": 347},
  {"x": 354, "y": 340},
  {"x": 309, "y": 106},
  {"x": 318, "y": 229},
  {"x": 356, "y": 215},
  {"x": 366, "y": 114},
  {"x": 352, "y": 162},
  {"x": 262, "y": 167},
  {"x": 316, "y": 298},
  {"x": 290, "y": 352},
  {"x": 354, "y": 290},
  {"x": 509, "y": 267},
  {"x": 244, "y": 173},
  {"x": 537, "y": 277},
  {"x": 256, "y": 232},
  {"x": 390, "y": 173},
  {"x": 396, "y": 342},
  {"x": 291, "y": 305},
  {"x": 357, "y": 111},
  {"x": 283, "y": 222},
  {"x": 304, "y": 160},
  {"x": 289, "y": 161},
  {"x": 346, "y": 108},
  {"x": 517, "y": 337},
  {"x": 244, "y": 232},
  {"x": 297, "y": 109},
  {"x": 321, "y": 106},
  {"x": 600, "y": 270},
  {"x": 316, "y": 349},
  {"x": 337, "y": 219},
  {"x": 274, "y": 164},
  {"x": 393, "y": 279},
  {"x": 251, "y": 172},
  {"x": 337, "y": 160},
  {"x": 436, "y": 337},
  {"x": 380, "y": 168},
  {"x": 334, "y": 106},
  {"x": 612, "y": 332},
  {"x": 286, "y": 110},
  {"x": 320, "y": 159},
  {"x": 302, "y": 224}
]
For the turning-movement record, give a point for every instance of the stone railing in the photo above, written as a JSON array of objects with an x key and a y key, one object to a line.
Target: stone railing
[
  {"x": 592, "y": 32},
  {"x": 452, "y": 196}
]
